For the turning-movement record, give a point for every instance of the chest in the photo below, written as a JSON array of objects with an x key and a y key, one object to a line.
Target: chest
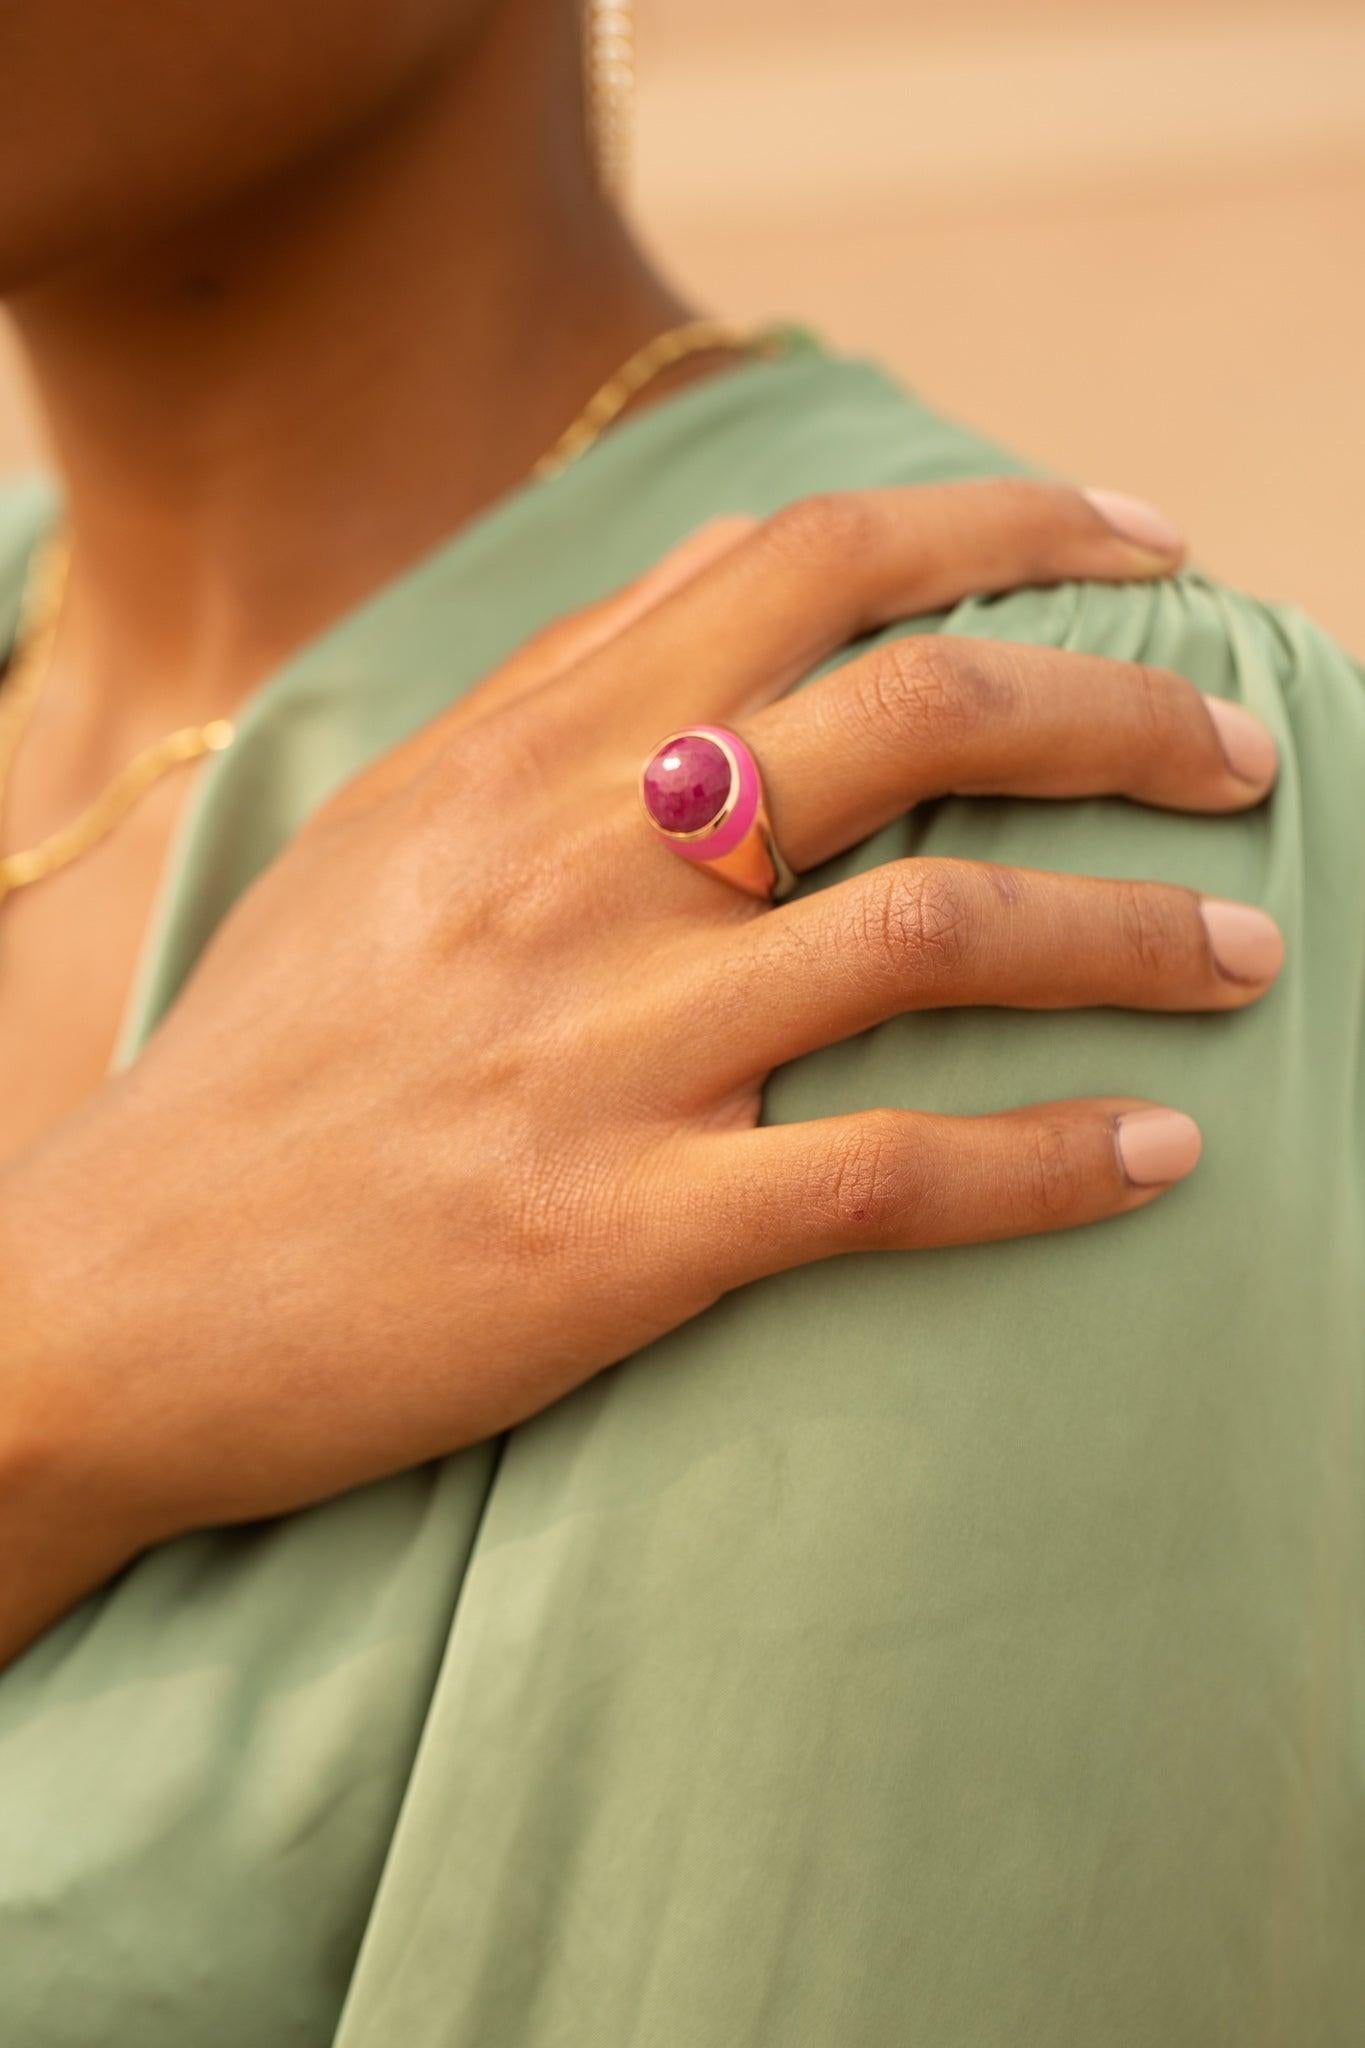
[{"x": 70, "y": 946}]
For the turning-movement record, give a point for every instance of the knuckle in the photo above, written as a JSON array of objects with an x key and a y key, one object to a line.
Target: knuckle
[
  {"x": 864, "y": 1186},
  {"x": 1032, "y": 518},
  {"x": 918, "y": 915},
  {"x": 576, "y": 1202},
  {"x": 542, "y": 649},
  {"x": 1154, "y": 708},
  {"x": 487, "y": 755},
  {"x": 514, "y": 757},
  {"x": 1149, "y": 927},
  {"x": 1053, "y": 1172},
  {"x": 912, "y": 695},
  {"x": 832, "y": 526},
  {"x": 1047, "y": 517},
  {"x": 933, "y": 695},
  {"x": 547, "y": 1211}
]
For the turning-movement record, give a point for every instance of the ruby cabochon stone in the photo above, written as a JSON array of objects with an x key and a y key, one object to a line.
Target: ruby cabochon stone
[{"x": 686, "y": 784}]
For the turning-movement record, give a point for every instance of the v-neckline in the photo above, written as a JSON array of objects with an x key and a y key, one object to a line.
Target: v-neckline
[
  {"x": 358, "y": 674},
  {"x": 361, "y": 641}
]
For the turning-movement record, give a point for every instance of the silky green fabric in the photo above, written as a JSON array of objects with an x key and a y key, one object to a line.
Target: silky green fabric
[{"x": 952, "y": 1651}]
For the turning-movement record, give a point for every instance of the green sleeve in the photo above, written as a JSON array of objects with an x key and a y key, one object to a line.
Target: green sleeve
[
  {"x": 941, "y": 1652},
  {"x": 962, "y": 1650}
]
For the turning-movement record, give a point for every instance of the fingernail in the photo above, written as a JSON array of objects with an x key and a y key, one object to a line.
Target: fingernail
[
  {"x": 1245, "y": 943},
  {"x": 1247, "y": 747},
  {"x": 1157, "y": 1146},
  {"x": 1133, "y": 519}
]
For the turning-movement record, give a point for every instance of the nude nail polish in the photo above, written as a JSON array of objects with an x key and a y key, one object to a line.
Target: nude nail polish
[
  {"x": 1134, "y": 520},
  {"x": 1157, "y": 1146},
  {"x": 1247, "y": 747},
  {"x": 1245, "y": 943}
]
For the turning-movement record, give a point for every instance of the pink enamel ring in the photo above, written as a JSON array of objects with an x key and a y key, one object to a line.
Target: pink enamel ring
[{"x": 702, "y": 793}]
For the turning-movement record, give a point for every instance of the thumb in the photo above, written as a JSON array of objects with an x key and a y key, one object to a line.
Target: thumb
[
  {"x": 569, "y": 640},
  {"x": 546, "y": 655}
]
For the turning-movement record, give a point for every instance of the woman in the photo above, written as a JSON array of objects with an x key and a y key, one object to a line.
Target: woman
[{"x": 933, "y": 1650}]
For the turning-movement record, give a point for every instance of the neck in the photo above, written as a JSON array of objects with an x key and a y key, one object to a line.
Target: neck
[{"x": 265, "y": 416}]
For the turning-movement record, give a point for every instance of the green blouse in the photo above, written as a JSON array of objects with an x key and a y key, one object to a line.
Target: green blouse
[{"x": 952, "y": 1651}]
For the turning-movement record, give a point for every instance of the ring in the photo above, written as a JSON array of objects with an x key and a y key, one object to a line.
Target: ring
[{"x": 702, "y": 793}]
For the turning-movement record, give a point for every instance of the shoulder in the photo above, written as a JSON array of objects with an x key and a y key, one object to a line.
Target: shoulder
[
  {"x": 1271, "y": 657},
  {"x": 1302, "y": 855},
  {"x": 838, "y": 423},
  {"x": 817, "y": 420},
  {"x": 1212, "y": 631}
]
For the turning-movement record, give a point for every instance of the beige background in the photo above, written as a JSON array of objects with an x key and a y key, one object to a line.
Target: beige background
[{"x": 1126, "y": 235}]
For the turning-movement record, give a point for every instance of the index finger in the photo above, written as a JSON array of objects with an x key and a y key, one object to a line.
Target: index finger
[{"x": 828, "y": 569}]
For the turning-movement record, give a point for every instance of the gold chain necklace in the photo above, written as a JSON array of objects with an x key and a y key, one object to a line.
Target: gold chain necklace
[
  {"x": 46, "y": 582},
  {"x": 41, "y": 608}
]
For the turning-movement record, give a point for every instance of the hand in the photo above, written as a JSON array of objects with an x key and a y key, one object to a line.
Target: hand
[{"x": 460, "y": 1105}]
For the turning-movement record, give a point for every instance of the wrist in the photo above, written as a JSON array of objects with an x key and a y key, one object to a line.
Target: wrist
[
  {"x": 60, "y": 1534},
  {"x": 68, "y": 1314},
  {"x": 33, "y": 1368}
]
